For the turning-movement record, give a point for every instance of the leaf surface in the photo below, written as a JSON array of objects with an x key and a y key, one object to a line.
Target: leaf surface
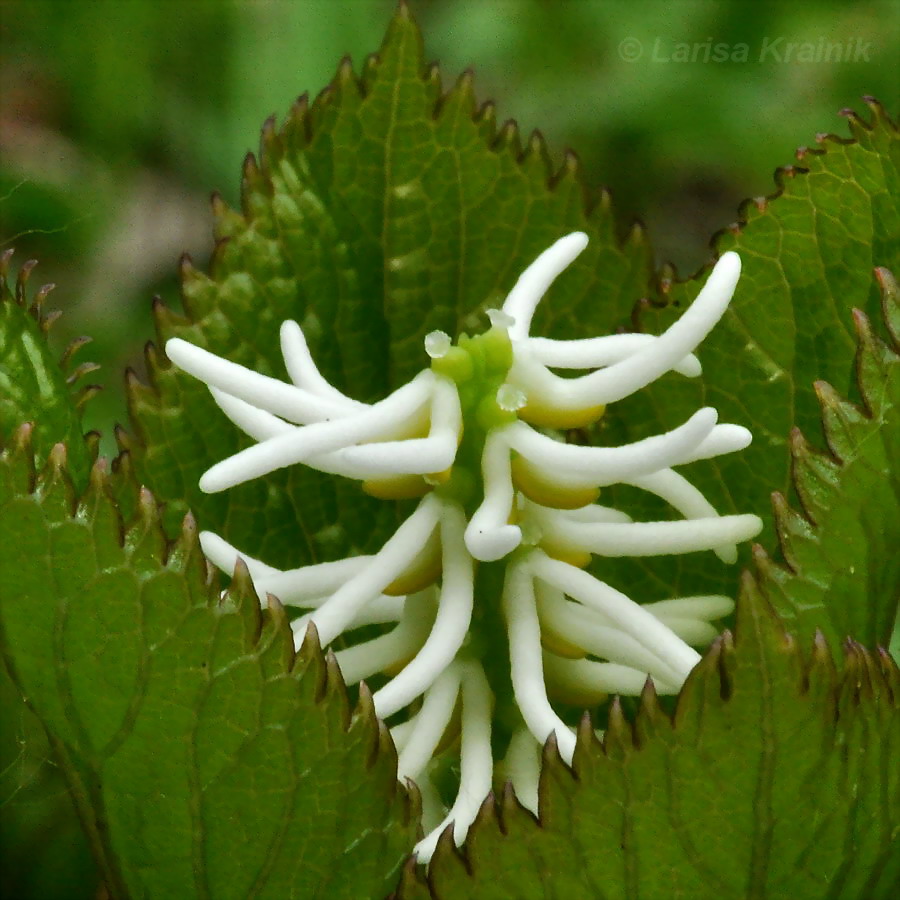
[
  {"x": 841, "y": 572},
  {"x": 206, "y": 761}
]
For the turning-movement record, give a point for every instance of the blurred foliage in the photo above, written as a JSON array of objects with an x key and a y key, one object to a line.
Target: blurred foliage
[{"x": 118, "y": 117}]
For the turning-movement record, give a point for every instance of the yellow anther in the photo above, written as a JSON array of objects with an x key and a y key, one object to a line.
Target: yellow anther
[
  {"x": 551, "y": 641},
  {"x": 536, "y": 413},
  {"x": 580, "y": 696},
  {"x": 577, "y": 558},
  {"x": 397, "y": 487},
  {"x": 539, "y": 489},
  {"x": 422, "y": 572}
]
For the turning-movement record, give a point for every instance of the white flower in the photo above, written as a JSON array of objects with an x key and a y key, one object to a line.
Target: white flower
[{"x": 506, "y": 522}]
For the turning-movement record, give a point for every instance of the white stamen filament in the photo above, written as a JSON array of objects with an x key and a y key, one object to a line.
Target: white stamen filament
[
  {"x": 580, "y": 675},
  {"x": 646, "y": 365},
  {"x": 678, "y": 492},
  {"x": 650, "y": 538},
  {"x": 706, "y": 607},
  {"x": 524, "y": 630},
  {"x": 522, "y": 767},
  {"x": 385, "y": 566},
  {"x": 726, "y": 438},
  {"x": 593, "y": 353},
  {"x": 533, "y": 283},
  {"x": 287, "y": 449},
  {"x": 450, "y": 626},
  {"x": 607, "y": 465},
  {"x": 304, "y": 372},
  {"x": 489, "y": 536},
  {"x": 475, "y": 759},
  {"x": 622, "y": 611},
  {"x": 367, "y": 658},
  {"x": 270, "y": 394},
  {"x": 415, "y": 456},
  {"x": 430, "y": 723},
  {"x": 585, "y": 627}
]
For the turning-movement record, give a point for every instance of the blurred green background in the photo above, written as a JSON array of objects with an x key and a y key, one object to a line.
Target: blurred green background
[{"x": 119, "y": 117}]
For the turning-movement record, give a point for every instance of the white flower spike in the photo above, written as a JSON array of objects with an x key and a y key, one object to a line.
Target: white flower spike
[{"x": 482, "y": 593}]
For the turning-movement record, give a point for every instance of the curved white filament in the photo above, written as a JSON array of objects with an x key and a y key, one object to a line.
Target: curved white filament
[
  {"x": 270, "y": 394},
  {"x": 646, "y": 365},
  {"x": 308, "y": 441},
  {"x": 385, "y": 566},
  {"x": 592, "y": 353},
  {"x": 430, "y": 723},
  {"x": 489, "y": 536},
  {"x": 586, "y": 628},
  {"x": 414, "y": 456},
  {"x": 475, "y": 760},
  {"x": 365, "y": 659},
  {"x": 450, "y": 626},
  {"x": 678, "y": 492},
  {"x": 522, "y": 767},
  {"x": 533, "y": 283},
  {"x": 607, "y": 465},
  {"x": 651, "y": 538},
  {"x": 578, "y": 675},
  {"x": 524, "y": 630},
  {"x": 303, "y": 371},
  {"x": 622, "y": 611}
]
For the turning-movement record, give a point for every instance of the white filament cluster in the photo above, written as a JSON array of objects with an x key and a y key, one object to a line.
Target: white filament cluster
[{"x": 570, "y": 635}]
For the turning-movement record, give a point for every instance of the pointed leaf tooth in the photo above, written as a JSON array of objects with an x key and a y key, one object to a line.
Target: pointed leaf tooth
[
  {"x": 37, "y": 305},
  {"x": 55, "y": 490},
  {"x": 255, "y": 190},
  {"x": 486, "y": 120},
  {"x": 822, "y": 676},
  {"x": 445, "y": 855},
  {"x": 363, "y": 716},
  {"x": 795, "y": 534},
  {"x": 270, "y": 148},
  {"x": 50, "y": 319},
  {"x": 336, "y": 692},
  {"x": 507, "y": 140},
  {"x": 295, "y": 132},
  {"x": 840, "y": 419},
  {"x": 124, "y": 484},
  {"x": 586, "y": 743},
  {"x": 227, "y": 223},
  {"x": 434, "y": 84},
  {"x": 145, "y": 543},
  {"x": 71, "y": 349},
  {"x": 22, "y": 281},
  {"x": 815, "y": 477},
  {"x": 651, "y": 718},
  {"x": 890, "y": 671},
  {"x": 277, "y": 640},
  {"x": 166, "y": 320},
  {"x": 97, "y": 509},
  {"x": 186, "y": 556},
  {"x": 701, "y": 691},
  {"x": 890, "y": 302},
  {"x": 5, "y": 257},
  {"x": 81, "y": 370},
  {"x": 618, "y": 741},
  {"x": 92, "y": 438}
]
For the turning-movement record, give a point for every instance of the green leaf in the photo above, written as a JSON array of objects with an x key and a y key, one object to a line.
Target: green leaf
[
  {"x": 777, "y": 778},
  {"x": 204, "y": 757},
  {"x": 841, "y": 572},
  {"x": 43, "y": 851},
  {"x": 381, "y": 212},
  {"x": 808, "y": 252},
  {"x": 34, "y": 385}
]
